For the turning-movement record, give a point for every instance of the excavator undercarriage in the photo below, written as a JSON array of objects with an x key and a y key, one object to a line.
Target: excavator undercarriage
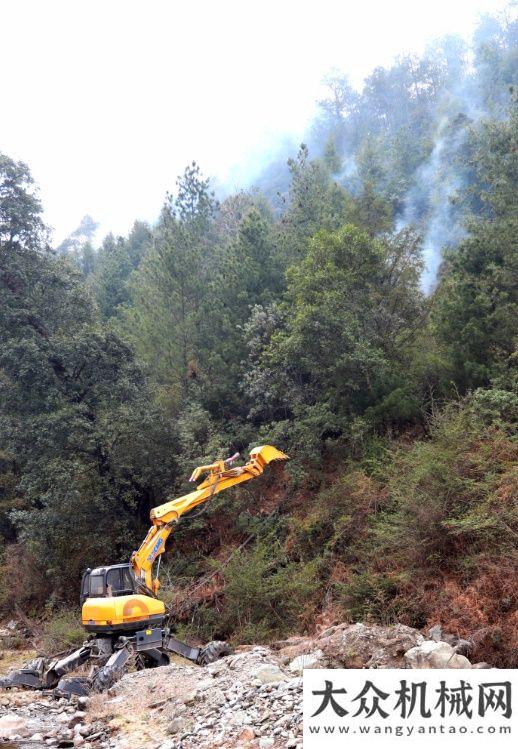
[{"x": 110, "y": 656}]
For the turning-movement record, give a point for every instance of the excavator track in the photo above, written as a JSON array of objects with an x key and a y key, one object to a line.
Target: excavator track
[
  {"x": 127, "y": 652},
  {"x": 213, "y": 651}
]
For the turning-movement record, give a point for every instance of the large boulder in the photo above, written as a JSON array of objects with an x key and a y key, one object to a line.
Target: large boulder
[
  {"x": 432, "y": 654},
  {"x": 268, "y": 673},
  {"x": 307, "y": 660},
  {"x": 13, "y": 725}
]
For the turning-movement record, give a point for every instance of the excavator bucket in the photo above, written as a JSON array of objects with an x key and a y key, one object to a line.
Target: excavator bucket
[{"x": 267, "y": 454}]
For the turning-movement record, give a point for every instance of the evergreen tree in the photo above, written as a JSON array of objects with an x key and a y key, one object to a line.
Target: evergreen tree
[
  {"x": 114, "y": 263},
  {"x": 477, "y": 304},
  {"x": 76, "y": 427},
  {"x": 352, "y": 308},
  {"x": 170, "y": 290}
]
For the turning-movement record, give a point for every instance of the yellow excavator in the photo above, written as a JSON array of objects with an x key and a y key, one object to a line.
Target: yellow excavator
[{"x": 120, "y": 607}]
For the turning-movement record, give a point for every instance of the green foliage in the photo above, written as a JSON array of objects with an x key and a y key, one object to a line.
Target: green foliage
[
  {"x": 169, "y": 290},
  {"x": 337, "y": 519},
  {"x": 62, "y": 631},
  {"x": 115, "y": 263},
  {"x": 308, "y": 205},
  {"x": 73, "y": 409},
  {"x": 438, "y": 510},
  {"x": 496, "y": 406},
  {"x": 370, "y": 597},
  {"x": 265, "y": 593},
  {"x": 21, "y": 225},
  {"x": 352, "y": 308},
  {"x": 477, "y": 305},
  {"x": 447, "y": 500}
]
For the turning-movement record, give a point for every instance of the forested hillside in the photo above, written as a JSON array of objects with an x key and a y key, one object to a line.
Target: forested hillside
[{"x": 356, "y": 307}]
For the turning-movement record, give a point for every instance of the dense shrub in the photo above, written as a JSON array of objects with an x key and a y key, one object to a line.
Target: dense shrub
[
  {"x": 62, "y": 630},
  {"x": 448, "y": 524},
  {"x": 263, "y": 595}
]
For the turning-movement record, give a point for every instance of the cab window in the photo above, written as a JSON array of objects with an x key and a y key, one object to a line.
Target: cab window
[
  {"x": 96, "y": 585},
  {"x": 113, "y": 582},
  {"x": 84, "y": 589},
  {"x": 127, "y": 580}
]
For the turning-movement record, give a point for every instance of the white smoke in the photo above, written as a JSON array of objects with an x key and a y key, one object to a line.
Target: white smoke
[{"x": 430, "y": 204}]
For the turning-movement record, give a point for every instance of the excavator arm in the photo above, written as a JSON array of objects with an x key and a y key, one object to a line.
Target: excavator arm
[{"x": 220, "y": 476}]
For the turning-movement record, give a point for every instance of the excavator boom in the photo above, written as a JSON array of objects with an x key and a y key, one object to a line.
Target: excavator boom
[{"x": 220, "y": 476}]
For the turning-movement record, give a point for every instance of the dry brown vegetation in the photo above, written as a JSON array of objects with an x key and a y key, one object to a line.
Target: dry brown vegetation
[{"x": 424, "y": 534}]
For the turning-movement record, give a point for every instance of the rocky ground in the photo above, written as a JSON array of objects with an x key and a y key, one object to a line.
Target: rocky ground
[{"x": 251, "y": 699}]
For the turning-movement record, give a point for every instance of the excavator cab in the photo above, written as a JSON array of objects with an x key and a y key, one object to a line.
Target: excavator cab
[
  {"x": 105, "y": 582},
  {"x": 110, "y": 601}
]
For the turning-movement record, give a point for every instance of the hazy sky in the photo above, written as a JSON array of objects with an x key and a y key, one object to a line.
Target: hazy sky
[{"x": 107, "y": 100}]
